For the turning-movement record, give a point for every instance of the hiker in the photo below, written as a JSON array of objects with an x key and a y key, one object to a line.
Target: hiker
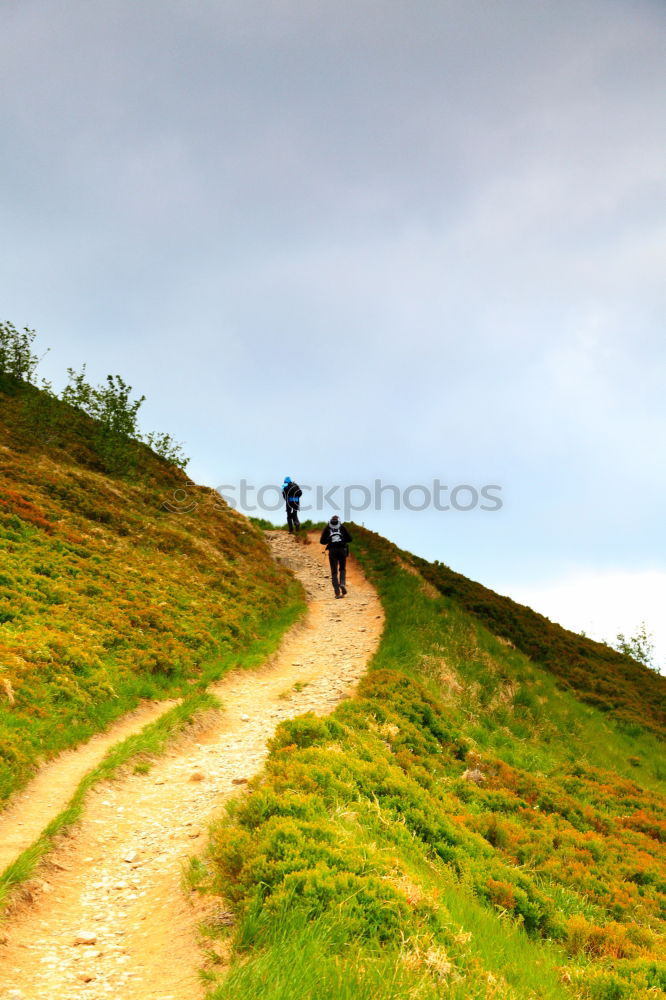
[
  {"x": 336, "y": 538},
  {"x": 292, "y": 492}
]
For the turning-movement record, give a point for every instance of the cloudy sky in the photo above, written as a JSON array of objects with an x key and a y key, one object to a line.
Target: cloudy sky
[{"x": 371, "y": 240}]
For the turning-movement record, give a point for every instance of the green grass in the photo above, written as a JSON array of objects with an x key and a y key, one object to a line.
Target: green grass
[
  {"x": 38, "y": 728},
  {"x": 115, "y": 589},
  {"x": 598, "y": 675},
  {"x": 142, "y": 748},
  {"x": 316, "y": 960},
  {"x": 363, "y": 862},
  {"x": 510, "y": 701},
  {"x": 151, "y": 741}
]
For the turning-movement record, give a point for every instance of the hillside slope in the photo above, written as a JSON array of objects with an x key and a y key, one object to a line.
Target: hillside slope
[
  {"x": 113, "y": 587},
  {"x": 462, "y": 828},
  {"x": 599, "y": 675},
  {"x": 139, "y": 829}
]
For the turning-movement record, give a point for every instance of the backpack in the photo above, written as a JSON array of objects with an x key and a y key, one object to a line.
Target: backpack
[
  {"x": 292, "y": 492},
  {"x": 335, "y": 534}
]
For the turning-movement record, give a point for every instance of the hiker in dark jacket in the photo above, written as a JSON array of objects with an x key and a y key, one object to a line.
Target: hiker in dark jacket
[
  {"x": 291, "y": 492},
  {"x": 336, "y": 538}
]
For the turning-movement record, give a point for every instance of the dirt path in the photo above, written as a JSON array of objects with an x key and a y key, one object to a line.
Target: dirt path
[
  {"x": 115, "y": 884},
  {"x": 49, "y": 792}
]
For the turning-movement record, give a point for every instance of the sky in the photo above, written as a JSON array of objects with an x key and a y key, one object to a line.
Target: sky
[{"x": 395, "y": 241}]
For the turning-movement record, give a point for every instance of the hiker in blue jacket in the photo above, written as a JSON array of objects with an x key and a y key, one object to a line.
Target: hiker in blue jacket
[
  {"x": 292, "y": 492},
  {"x": 336, "y": 538}
]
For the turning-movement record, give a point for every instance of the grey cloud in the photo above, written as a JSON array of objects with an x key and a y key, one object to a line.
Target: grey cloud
[{"x": 463, "y": 202}]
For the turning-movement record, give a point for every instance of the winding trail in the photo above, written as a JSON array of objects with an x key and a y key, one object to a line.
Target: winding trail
[
  {"x": 51, "y": 789},
  {"x": 109, "y": 917}
]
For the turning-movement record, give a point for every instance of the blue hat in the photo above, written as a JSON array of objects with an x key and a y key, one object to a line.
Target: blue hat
[{"x": 287, "y": 479}]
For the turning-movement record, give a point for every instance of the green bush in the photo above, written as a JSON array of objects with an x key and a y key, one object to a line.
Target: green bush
[
  {"x": 113, "y": 428},
  {"x": 18, "y": 362},
  {"x": 467, "y": 803}
]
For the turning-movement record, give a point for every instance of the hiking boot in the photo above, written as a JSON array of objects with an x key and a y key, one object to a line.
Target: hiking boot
[
  {"x": 338, "y": 596},
  {"x": 343, "y": 589}
]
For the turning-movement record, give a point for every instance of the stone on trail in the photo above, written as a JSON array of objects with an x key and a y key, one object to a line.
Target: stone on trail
[{"x": 85, "y": 937}]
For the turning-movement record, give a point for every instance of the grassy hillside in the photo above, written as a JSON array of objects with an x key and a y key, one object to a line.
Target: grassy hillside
[
  {"x": 464, "y": 827},
  {"x": 597, "y": 674},
  {"x": 113, "y": 586}
]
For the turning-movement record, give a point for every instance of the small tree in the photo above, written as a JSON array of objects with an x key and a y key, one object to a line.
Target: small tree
[
  {"x": 110, "y": 405},
  {"x": 640, "y": 646},
  {"x": 17, "y": 359},
  {"x": 78, "y": 392},
  {"x": 168, "y": 449},
  {"x": 115, "y": 412},
  {"x": 115, "y": 408}
]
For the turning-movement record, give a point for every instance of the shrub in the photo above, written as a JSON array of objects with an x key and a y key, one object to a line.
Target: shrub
[{"x": 18, "y": 362}]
